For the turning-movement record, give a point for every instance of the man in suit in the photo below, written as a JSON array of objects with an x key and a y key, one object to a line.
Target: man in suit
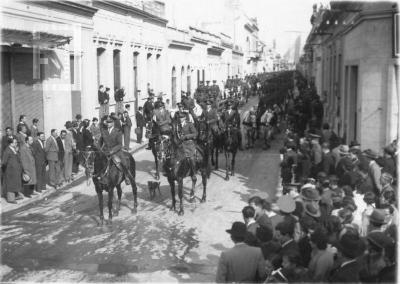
[
  {"x": 68, "y": 151},
  {"x": 22, "y": 121},
  {"x": 103, "y": 98},
  {"x": 350, "y": 247},
  {"x": 61, "y": 154},
  {"x": 52, "y": 158},
  {"x": 9, "y": 134},
  {"x": 119, "y": 99},
  {"x": 148, "y": 109},
  {"x": 232, "y": 117},
  {"x": 140, "y": 123},
  {"x": 111, "y": 143},
  {"x": 249, "y": 214},
  {"x": 39, "y": 154},
  {"x": 34, "y": 128},
  {"x": 126, "y": 127},
  {"x": 242, "y": 263},
  {"x": 78, "y": 140},
  {"x": 284, "y": 233}
]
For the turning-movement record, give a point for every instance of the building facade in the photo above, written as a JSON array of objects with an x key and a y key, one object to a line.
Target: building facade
[
  {"x": 55, "y": 55},
  {"x": 351, "y": 56}
]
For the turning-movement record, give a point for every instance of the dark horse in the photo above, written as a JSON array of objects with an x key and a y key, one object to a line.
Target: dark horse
[
  {"x": 177, "y": 166},
  {"x": 205, "y": 141},
  {"x": 157, "y": 145},
  {"x": 106, "y": 176},
  {"x": 218, "y": 138},
  {"x": 231, "y": 145}
]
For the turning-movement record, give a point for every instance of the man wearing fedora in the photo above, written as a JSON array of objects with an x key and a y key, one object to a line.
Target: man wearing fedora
[
  {"x": 111, "y": 143},
  {"x": 232, "y": 117},
  {"x": 350, "y": 247},
  {"x": 242, "y": 263}
]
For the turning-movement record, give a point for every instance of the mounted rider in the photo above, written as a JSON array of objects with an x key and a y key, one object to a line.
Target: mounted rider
[
  {"x": 111, "y": 143},
  {"x": 232, "y": 117},
  {"x": 162, "y": 120},
  {"x": 187, "y": 134},
  {"x": 210, "y": 116}
]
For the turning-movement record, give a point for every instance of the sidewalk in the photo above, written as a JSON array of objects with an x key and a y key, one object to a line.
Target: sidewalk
[{"x": 5, "y": 206}]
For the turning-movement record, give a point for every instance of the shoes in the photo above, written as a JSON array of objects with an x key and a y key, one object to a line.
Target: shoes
[
  {"x": 28, "y": 196},
  {"x": 34, "y": 193},
  {"x": 148, "y": 148},
  {"x": 19, "y": 197},
  {"x": 12, "y": 202},
  {"x": 39, "y": 191}
]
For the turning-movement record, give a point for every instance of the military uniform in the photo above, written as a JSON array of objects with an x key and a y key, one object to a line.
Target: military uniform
[
  {"x": 163, "y": 121},
  {"x": 188, "y": 134},
  {"x": 148, "y": 109},
  {"x": 232, "y": 117}
]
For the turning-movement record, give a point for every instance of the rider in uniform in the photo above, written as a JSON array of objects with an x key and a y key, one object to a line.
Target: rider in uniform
[
  {"x": 159, "y": 101},
  {"x": 148, "y": 108},
  {"x": 188, "y": 134},
  {"x": 232, "y": 117},
  {"x": 111, "y": 143}
]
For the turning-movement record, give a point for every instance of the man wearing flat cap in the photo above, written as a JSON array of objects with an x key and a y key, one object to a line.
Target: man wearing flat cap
[
  {"x": 111, "y": 143},
  {"x": 242, "y": 263}
]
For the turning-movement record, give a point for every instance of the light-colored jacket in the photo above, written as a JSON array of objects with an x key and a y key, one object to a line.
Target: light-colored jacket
[{"x": 51, "y": 149}]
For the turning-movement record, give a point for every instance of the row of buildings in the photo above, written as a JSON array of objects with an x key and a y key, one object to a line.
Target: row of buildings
[
  {"x": 55, "y": 54},
  {"x": 352, "y": 57}
]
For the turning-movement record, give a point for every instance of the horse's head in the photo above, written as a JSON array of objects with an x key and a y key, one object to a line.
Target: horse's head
[
  {"x": 88, "y": 163},
  {"x": 163, "y": 147}
]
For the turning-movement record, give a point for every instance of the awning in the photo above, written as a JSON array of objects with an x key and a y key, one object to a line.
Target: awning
[{"x": 30, "y": 39}]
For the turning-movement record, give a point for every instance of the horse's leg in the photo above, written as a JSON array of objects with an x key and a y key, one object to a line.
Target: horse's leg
[
  {"x": 194, "y": 180},
  {"x": 180, "y": 195},
  {"x": 204, "y": 181},
  {"x": 233, "y": 163},
  {"x": 134, "y": 191},
  {"x": 216, "y": 157},
  {"x": 110, "y": 202},
  {"x": 99, "y": 192},
  {"x": 226, "y": 165},
  {"x": 172, "y": 186},
  {"x": 119, "y": 193},
  {"x": 157, "y": 176}
]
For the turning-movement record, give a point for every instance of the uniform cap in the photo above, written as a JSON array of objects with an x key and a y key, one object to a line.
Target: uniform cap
[{"x": 286, "y": 204}]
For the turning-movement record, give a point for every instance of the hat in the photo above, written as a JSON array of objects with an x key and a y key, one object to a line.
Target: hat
[
  {"x": 160, "y": 95},
  {"x": 351, "y": 245},
  {"x": 387, "y": 177},
  {"x": 68, "y": 124},
  {"x": 310, "y": 193},
  {"x": 286, "y": 204},
  {"x": 238, "y": 229},
  {"x": 344, "y": 150},
  {"x": 208, "y": 102},
  {"x": 285, "y": 227},
  {"x": 370, "y": 154},
  {"x": 390, "y": 149},
  {"x": 179, "y": 104},
  {"x": 378, "y": 217},
  {"x": 109, "y": 119},
  {"x": 355, "y": 144},
  {"x": 291, "y": 145},
  {"x": 314, "y": 136},
  {"x": 379, "y": 239},
  {"x": 182, "y": 115},
  {"x": 313, "y": 212},
  {"x": 95, "y": 119}
]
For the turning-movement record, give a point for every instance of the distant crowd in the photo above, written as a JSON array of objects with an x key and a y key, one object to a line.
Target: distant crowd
[{"x": 337, "y": 217}]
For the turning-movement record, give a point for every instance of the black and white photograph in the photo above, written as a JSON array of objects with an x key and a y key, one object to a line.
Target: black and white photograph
[{"x": 199, "y": 141}]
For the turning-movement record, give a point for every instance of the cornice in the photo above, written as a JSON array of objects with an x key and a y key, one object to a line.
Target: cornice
[
  {"x": 180, "y": 44},
  {"x": 70, "y": 6},
  {"x": 122, "y": 8}
]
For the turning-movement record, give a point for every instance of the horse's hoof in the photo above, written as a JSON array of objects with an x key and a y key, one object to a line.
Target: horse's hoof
[
  {"x": 181, "y": 212},
  {"x": 134, "y": 210},
  {"x": 226, "y": 178},
  {"x": 203, "y": 199},
  {"x": 172, "y": 208},
  {"x": 116, "y": 213},
  {"x": 101, "y": 222},
  {"x": 192, "y": 199},
  {"x": 157, "y": 177}
]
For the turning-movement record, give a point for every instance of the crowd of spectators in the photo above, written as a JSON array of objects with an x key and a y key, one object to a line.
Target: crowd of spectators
[
  {"x": 30, "y": 159},
  {"x": 336, "y": 218}
]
